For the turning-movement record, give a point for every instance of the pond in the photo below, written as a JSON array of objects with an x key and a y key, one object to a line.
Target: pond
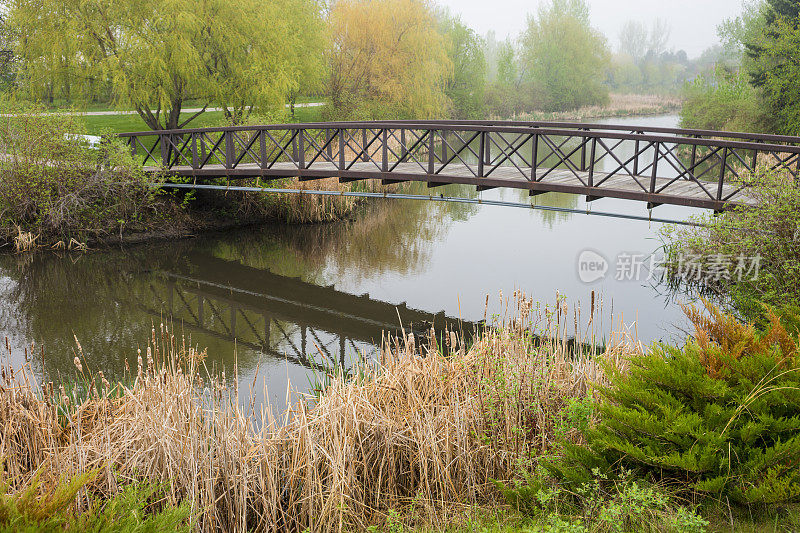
[{"x": 278, "y": 300}]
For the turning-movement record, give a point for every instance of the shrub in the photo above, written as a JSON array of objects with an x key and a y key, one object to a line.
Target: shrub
[
  {"x": 723, "y": 101},
  {"x": 596, "y": 506},
  {"x": 769, "y": 233},
  {"x": 719, "y": 417},
  {"x": 55, "y": 185}
]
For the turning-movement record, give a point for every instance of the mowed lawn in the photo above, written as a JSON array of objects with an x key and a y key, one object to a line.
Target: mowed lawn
[{"x": 111, "y": 124}]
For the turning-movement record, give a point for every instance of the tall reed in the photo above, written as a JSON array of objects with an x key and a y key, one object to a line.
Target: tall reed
[{"x": 412, "y": 430}]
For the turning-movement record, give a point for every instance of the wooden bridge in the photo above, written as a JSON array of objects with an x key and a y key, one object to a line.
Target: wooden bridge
[{"x": 696, "y": 168}]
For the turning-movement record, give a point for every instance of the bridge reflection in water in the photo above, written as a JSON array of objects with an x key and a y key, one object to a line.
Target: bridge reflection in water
[{"x": 285, "y": 318}]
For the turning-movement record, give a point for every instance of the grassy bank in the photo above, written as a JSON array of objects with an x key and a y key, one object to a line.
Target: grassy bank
[
  {"x": 421, "y": 434},
  {"x": 110, "y": 124}
]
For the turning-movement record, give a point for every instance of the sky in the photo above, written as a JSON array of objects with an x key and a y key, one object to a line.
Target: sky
[{"x": 693, "y": 22}]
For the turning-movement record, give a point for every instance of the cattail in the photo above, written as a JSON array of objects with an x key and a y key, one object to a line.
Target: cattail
[{"x": 78, "y": 364}]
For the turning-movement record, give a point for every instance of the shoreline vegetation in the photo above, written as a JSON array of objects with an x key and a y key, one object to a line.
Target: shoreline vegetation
[
  {"x": 418, "y": 432},
  {"x": 619, "y": 105},
  {"x": 415, "y": 440}
]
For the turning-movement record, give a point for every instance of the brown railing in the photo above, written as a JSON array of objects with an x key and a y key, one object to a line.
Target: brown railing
[{"x": 658, "y": 165}]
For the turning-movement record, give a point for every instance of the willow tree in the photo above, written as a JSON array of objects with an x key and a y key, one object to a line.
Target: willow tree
[
  {"x": 565, "y": 58},
  {"x": 161, "y": 54},
  {"x": 387, "y": 59}
]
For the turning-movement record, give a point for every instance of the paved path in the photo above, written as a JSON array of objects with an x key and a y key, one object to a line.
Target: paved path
[{"x": 112, "y": 113}]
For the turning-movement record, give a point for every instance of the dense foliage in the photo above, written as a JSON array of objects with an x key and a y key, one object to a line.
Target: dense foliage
[
  {"x": 724, "y": 100},
  {"x": 466, "y": 87},
  {"x": 55, "y": 185},
  {"x": 569, "y": 73},
  {"x": 717, "y": 418},
  {"x": 768, "y": 233},
  {"x": 764, "y": 43},
  {"x": 51, "y": 510}
]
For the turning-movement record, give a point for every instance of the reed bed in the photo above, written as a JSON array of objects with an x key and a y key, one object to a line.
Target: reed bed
[
  {"x": 619, "y": 105},
  {"x": 416, "y": 431}
]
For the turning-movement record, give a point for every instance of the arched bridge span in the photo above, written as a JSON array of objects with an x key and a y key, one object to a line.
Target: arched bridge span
[{"x": 696, "y": 168}]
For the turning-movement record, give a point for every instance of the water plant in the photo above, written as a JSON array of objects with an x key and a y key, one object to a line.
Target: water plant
[{"x": 417, "y": 432}]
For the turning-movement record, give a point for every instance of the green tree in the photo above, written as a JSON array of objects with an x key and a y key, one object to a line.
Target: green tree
[
  {"x": 387, "y": 59},
  {"x": 565, "y": 57},
  {"x": 508, "y": 68},
  {"x": 723, "y": 97},
  {"x": 467, "y": 85},
  {"x": 774, "y": 62},
  {"x": 158, "y": 55}
]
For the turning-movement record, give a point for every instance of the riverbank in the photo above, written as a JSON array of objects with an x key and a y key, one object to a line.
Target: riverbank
[
  {"x": 620, "y": 105},
  {"x": 414, "y": 439},
  {"x": 179, "y": 216},
  {"x": 417, "y": 432}
]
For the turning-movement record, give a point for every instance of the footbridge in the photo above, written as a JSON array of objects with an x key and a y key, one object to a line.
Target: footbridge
[{"x": 695, "y": 168}]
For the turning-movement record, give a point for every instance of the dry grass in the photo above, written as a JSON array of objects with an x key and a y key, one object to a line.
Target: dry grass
[
  {"x": 620, "y": 105},
  {"x": 414, "y": 430},
  {"x": 25, "y": 241}
]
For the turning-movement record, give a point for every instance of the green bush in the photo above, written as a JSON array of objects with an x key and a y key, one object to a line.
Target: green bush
[
  {"x": 718, "y": 418},
  {"x": 768, "y": 233},
  {"x": 598, "y": 506}
]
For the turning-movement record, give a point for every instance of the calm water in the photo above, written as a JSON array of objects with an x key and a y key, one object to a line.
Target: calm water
[{"x": 283, "y": 299}]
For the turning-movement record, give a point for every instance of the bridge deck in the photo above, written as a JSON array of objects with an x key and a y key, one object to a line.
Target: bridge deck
[{"x": 671, "y": 191}]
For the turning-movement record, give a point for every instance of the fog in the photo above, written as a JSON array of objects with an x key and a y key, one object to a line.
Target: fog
[{"x": 693, "y": 22}]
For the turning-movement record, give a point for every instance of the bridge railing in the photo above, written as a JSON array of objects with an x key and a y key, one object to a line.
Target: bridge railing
[{"x": 651, "y": 164}]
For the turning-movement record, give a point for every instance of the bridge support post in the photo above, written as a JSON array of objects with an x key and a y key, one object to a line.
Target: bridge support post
[
  {"x": 164, "y": 150},
  {"x": 584, "y": 140},
  {"x": 364, "y": 151},
  {"x": 195, "y": 162},
  {"x": 328, "y": 143},
  {"x": 481, "y": 151},
  {"x": 431, "y": 151},
  {"x": 723, "y": 163},
  {"x": 342, "y": 163},
  {"x": 301, "y": 149},
  {"x": 263, "y": 150},
  {"x": 385, "y": 150},
  {"x": 403, "y": 147},
  {"x": 656, "y": 156},
  {"x": 229, "y": 150},
  {"x": 534, "y": 155}
]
